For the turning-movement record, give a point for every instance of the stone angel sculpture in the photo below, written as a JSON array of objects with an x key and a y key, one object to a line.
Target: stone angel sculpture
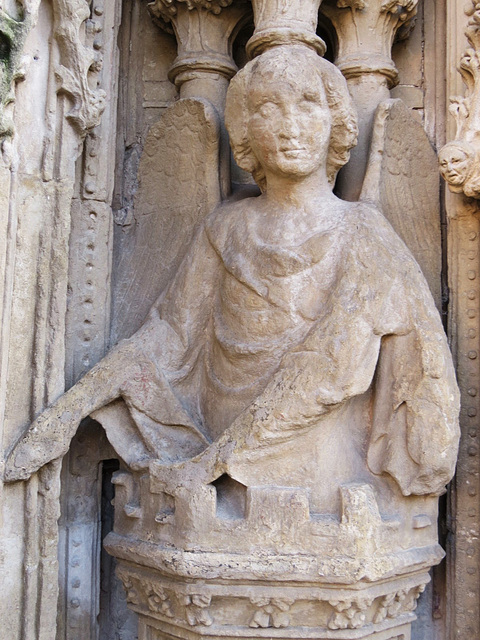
[{"x": 298, "y": 343}]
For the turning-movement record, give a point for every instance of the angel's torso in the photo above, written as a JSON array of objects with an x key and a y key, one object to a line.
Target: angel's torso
[{"x": 269, "y": 296}]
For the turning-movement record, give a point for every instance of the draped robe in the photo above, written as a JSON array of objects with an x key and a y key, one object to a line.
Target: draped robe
[{"x": 317, "y": 363}]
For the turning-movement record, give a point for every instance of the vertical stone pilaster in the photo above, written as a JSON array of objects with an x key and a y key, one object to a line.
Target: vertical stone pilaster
[
  {"x": 464, "y": 549},
  {"x": 366, "y": 32}
]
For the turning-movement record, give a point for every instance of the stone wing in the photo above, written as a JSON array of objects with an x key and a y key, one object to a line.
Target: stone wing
[
  {"x": 178, "y": 185},
  {"x": 402, "y": 181}
]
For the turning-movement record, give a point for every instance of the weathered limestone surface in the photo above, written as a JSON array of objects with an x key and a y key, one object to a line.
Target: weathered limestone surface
[
  {"x": 458, "y": 159},
  {"x": 54, "y": 100},
  {"x": 289, "y": 547},
  {"x": 463, "y": 234}
]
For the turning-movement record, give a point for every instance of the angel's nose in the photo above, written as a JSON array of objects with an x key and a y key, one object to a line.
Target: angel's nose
[{"x": 290, "y": 127}]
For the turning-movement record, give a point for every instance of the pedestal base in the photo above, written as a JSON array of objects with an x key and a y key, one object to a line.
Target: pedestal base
[
  {"x": 189, "y": 609},
  {"x": 152, "y": 630}
]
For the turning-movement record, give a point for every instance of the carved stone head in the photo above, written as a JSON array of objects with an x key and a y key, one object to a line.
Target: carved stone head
[
  {"x": 306, "y": 106},
  {"x": 456, "y": 160}
]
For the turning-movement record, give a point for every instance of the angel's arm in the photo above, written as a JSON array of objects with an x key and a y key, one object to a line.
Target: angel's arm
[
  {"x": 415, "y": 430},
  {"x": 162, "y": 343}
]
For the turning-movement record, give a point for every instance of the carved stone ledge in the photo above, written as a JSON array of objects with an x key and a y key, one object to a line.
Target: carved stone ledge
[
  {"x": 183, "y": 608},
  {"x": 460, "y": 159},
  {"x": 206, "y": 571}
]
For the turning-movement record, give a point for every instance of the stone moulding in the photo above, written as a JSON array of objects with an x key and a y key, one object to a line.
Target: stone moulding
[
  {"x": 185, "y": 608},
  {"x": 77, "y": 62},
  {"x": 459, "y": 159}
]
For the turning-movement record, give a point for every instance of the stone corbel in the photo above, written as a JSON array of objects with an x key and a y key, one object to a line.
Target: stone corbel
[
  {"x": 79, "y": 64},
  {"x": 366, "y": 32},
  {"x": 460, "y": 159}
]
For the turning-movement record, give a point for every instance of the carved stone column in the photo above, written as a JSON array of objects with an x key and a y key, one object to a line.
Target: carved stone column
[
  {"x": 203, "y": 28},
  {"x": 459, "y": 166},
  {"x": 204, "y": 65},
  {"x": 279, "y": 22},
  {"x": 366, "y": 32},
  {"x": 13, "y": 32}
]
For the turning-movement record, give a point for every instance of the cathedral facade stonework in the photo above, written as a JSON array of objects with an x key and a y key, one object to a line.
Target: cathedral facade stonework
[{"x": 239, "y": 319}]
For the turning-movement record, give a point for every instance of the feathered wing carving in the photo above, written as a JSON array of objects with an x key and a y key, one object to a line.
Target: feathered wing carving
[
  {"x": 178, "y": 185},
  {"x": 402, "y": 181}
]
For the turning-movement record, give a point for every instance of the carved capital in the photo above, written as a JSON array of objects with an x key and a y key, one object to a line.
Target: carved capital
[
  {"x": 366, "y": 32},
  {"x": 460, "y": 159},
  {"x": 203, "y": 29},
  {"x": 78, "y": 63},
  {"x": 167, "y": 9},
  {"x": 279, "y": 22}
]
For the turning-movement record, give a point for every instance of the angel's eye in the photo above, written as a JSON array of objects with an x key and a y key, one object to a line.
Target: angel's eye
[
  {"x": 267, "y": 109},
  {"x": 312, "y": 96}
]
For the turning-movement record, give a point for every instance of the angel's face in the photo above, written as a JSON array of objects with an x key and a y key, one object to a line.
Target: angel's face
[
  {"x": 455, "y": 164},
  {"x": 289, "y": 124}
]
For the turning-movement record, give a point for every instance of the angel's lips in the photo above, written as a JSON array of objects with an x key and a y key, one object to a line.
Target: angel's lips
[
  {"x": 293, "y": 152},
  {"x": 453, "y": 175}
]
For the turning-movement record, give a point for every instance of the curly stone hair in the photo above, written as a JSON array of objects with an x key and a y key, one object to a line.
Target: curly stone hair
[{"x": 285, "y": 63}]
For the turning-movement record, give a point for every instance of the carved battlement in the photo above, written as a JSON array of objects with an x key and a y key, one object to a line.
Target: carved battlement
[
  {"x": 268, "y": 560},
  {"x": 197, "y": 529}
]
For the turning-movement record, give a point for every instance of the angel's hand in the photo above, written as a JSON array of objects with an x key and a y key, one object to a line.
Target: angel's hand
[
  {"x": 47, "y": 439},
  {"x": 49, "y": 435}
]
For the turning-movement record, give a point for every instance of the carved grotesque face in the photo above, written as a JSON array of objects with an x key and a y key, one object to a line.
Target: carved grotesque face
[
  {"x": 455, "y": 163},
  {"x": 289, "y": 122}
]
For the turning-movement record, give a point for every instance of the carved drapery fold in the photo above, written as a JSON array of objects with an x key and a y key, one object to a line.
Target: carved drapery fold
[{"x": 459, "y": 159}]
